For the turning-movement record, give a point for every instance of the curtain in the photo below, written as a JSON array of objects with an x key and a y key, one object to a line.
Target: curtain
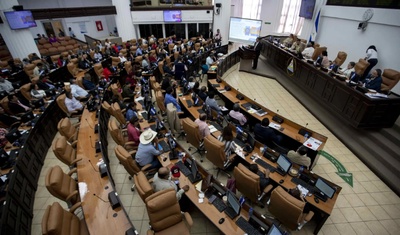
[
  {"x": 251, "y": 9},
  {"x": 290, "y": 21},
  {"x": 237, "y": 8}
]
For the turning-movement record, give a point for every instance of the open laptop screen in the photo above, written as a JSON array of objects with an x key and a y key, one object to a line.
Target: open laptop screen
[
  {"x": 233, "y": 202},
  {"x": 274, "y": 230},
  {"x": 284, "y": 163},
  {"x": 325, "y": 188}
]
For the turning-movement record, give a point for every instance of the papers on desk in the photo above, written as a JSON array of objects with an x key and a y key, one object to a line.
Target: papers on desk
[
  {"x": 312, "y": 143},
  {"x": 83, "y": 189},
  {"x": 274, "y": 125},
  {"x": 213, "y": 68},
  {"x": 221, "y": 91},
  {"x": 239, "y": 152},
  {"x": 376, "y": 95},
  {"x": 198, "y": 185},
  {"x": 302, "y": 190},
  {"x": 212, "y": 128},
  {"x": 223, "y": 108}
]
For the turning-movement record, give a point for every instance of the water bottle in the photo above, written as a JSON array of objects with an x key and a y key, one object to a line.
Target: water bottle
[
  {"x": 301, "y": 169},
  {"x": 305, "y": 137}
]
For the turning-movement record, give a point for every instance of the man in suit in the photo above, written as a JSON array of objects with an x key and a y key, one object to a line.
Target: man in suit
[{"x": 257, "y": 47}]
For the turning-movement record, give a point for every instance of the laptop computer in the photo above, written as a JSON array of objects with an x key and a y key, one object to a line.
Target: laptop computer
[
  {"x": 38, "y": 103},
  {"x": 233, "y": 205},
  {"x": 27, "y": 117},
  {"x": 283, "y": 165},
  {"x": 13, "y": 135}
]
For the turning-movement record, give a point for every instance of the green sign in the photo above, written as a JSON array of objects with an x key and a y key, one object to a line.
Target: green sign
[{"x": 342, "y": 172}]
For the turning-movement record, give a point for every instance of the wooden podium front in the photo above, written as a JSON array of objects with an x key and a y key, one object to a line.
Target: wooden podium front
[{"x": 246, "y": 58}]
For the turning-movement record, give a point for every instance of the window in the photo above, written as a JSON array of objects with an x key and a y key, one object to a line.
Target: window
[
  {"x": 203, "y": 29},
  {"x": 148, "y": 29},
  {"x": 290, "y": 21},
  {"x": 192, "y": 28},
  {"x": 251, "y": 9},
  {"x": 177, "y": 29}
]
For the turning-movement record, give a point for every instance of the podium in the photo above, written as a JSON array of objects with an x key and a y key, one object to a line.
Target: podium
[{"x": 246, "y": 58}]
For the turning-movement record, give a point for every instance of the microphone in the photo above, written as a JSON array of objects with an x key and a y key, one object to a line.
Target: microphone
[
  {"x": 277, "y": 111},
  {"x": 100, "y": 198},
  {"x": 306, "y": 124},
  {"x": 88, "y": 123},
  {"x": 94, "y": 168}
]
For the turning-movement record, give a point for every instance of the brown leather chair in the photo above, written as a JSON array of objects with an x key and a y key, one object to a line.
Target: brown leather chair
[
  {"x": 216, "y": 155},
  {"x": 360, "y": 67},
  {"x": 288, "y": 209},
  {"x": 128, "y": 67},
  {"x": 115, "y": 61},
  {"x": 120, "y": 135},
  {"x": 4, "y": 104},
  {"x": 116, "y": 91},
  {"x": 26, "y": 91},
  {"x": 64, "y": 151},
  {"x": 67, "y": 129},
  {"x": 161, "y": 67},
  {"x": 43, "y": 41},
  {"x": 73, "y": 68},
  {"x": 62, "y": 186},
  {"x": 54, "y": 58},
  {"x": 124, "y": 52},
  {"x": 171, "y": 48},
  {"x": 340, "y": 58},
  {"x": 106, "y": 106},
  {"x": 79, "y": 81},
  {"x": 130, "y": 165},
  {"x": 193, "y": 136},
  {"x": 390, "y": 77},
  {"x": 118, "y": 113},
  {"x": 98, "y": 69},
  {"x": 61, "y": 103},
  {"x": 143, "y": 186},
  {"x": 197, "y": 46},
  {"x": 160, "y": 102},
  {"x": 317, "y": 52},
  {"x": 29, "y": 70},
  {"x": 248, "y": 183},
  {"x": 57, "y": 221},
  {"x": 165, "y": 214}
]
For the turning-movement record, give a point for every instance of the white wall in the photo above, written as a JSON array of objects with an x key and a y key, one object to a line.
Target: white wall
[
  {"x": 270, "y": 13},
  {"x": 338, "y": 31},
  {"x": 37, "y": 4},
  {"x": 156, "y": 17},
  {"x": 221, "y": 21}
]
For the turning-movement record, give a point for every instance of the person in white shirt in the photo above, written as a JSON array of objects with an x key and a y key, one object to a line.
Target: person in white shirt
[
  {"x": 107, "y": 44},
  {"x": 122, "y": 58},
  {"x": 97, "y": 55},
  {"x": 73, "y": 105},
  {"x": 371, "y": 58},
  {"x": 6, "y": 85},
  {"x": 36, "y": 93},
  {"x": 145, "y": 62},
  {"x": 348, "y": 70},
  {"x": 77, "y": 91},
  {"x": 308, "y": 51},
  {"x": 237, "y": 115},
  {"x": 209, "y": 60}
]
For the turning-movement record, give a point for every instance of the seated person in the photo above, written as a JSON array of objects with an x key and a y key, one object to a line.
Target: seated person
[
  {"x": 38, "y": 70},
  {"x": 97, "y": 55},
  {"x": 6, "y": 85},
  {"x": 348, "y": 70},
  {"x": 15, "y": 105},
  {"x": 374, "y": 80},
  {"x": 195, "y": 88},
  {"x": 237, "y": 115},
  {"x": 145, "y": 62},
  {"x": 203, "y": 126},
  {"x": 227, "y": 138},
  {"x": 169, "y": 98},
  {"x": 212, "y": 103},
  {"x": 323, "y": 60},
  {"x": 133, "y": 130},
  {"x": 72, "y": 104},
  {"x": 87, "y": 82},
  {"x": 297, "y": 47},
  {"x": 84, "y": 63},
  {"x": 127, "y": 91},
  {"x": 163, "y": 180},
  {"x": 264, "y": 175},
  {"x": 147, "y": 152},
  {"x": 122, "y": 58},
  {"x": 77, "y": 91},
  {"x": 203, "y": 93},
  {"x": 288, "y": 41},
  {"x": 300, "y": 156},
  {"x": 8, "y": 120},
  {"x": 265, "y": 134},
  {"x": 308, "y": 51},
  {"x": 210, "y": 60},
  {"x": 36, "y": 92},
  {"x": 131, "y": 110}
]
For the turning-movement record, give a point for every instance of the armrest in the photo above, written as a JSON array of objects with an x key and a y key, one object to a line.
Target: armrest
[
  {"x": 74, "y": 207},
  {"x": 188, "y": 219},
  {"x": 129, "y": 143},
  {"x": 150, "y": 232},
  {"x": 268, "y": 188},
  {"x": 73, "y": 144},
  {"x": 74, "y": 193},
  {"x": 72, "y": 171},
  {"x": 75, "y": 161},
  {"x": 309, "y": 216},
  {"x": 144, "y": 168},
  {"x": 132, "y": 152}
]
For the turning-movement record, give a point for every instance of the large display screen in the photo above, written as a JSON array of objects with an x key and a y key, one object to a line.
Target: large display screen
[
  {"x": 307, "y": 9},
  {"x": 244, "y": 30},
  {"x": 173, "y": 16},
  {"x": 392, "y": 4},
  {"x": 20, "y": 19}
]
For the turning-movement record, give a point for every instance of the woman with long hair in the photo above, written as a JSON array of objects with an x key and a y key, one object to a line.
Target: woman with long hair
[{"x": 227, "y": 138}]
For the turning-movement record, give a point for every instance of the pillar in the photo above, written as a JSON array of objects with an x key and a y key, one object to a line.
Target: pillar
[
  {"x": 221, "y": 21},
  {"x": 20, "y": 42},
  {"x": 123, "y": 19}
]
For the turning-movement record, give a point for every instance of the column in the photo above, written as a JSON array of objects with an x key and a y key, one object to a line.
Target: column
[
  {"x": 123, "y": 19},
  {"x": 221, "y": 21},
  {"x": 20, "y": 42}
]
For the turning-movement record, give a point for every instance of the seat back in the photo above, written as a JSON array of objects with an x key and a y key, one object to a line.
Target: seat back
[
  {"x": 160, "y": 101},
  {"x": 143, "y": 186},
  {"x": 360, "y": 67},
  {"x": 115, "y": 132},
  {"x": 115, "y": 91},
  {"x": 317, "y": 52},
  {"x": 57, "y": 221},
  {"x": 63, "y": 151},
  {"x": 72, "y": 68},
  {"x": 197, "y": 46},
  {"x": 192, "y": 132},
  {"x": 390, "y": 77},
  {"x": 163, "y": 210},
  {"x": 106, "y": 106},
  {"x": 29, "y": 69},
  {"x": 247, "y": 182},
  {"x": 215, "y": 151},
  {"x": 128, "y": 66},
  {"x": 115, "y": 61},
  {"x": 286, "y": 208},
  {"x": 170, "y": 48},
  {"x": 123, "y": 51},
  {"x": 4, "y": 104},
  {"x": 79, "y": 81},
  {"x": 161, "y": 67},
  {"x": 25, "y": 91},
  {"x": 116, "y": 109},
  {"x": 340, "y": 58},
  {"x": 126, "y": 160},
  {"x": 61, "y": 103},
  {"x": 61, "y": 185},
  {"x": 98, "y": 69},
  {"x": 66, "y": 128}
]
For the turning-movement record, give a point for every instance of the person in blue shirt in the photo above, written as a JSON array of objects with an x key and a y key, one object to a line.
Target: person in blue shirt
[
  {"x": 147, "y": 152},
  {"x": 212, "y": 103},
  {"x": 87, "y": 83},
  {"x": 131, "y": 111},
  {"x": 374, "y": 80},
  {"x": 139, "y": 51},
  {"x": 169, "y": 98}
]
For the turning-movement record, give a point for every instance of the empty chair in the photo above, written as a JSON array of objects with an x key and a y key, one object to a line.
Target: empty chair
[
  {"x": 62, "y": 186},
  {"x": 160, "y": 102},
  {"x": 115, "y": 61},
  {"x": 340, "y": 58},
  {"x": 317, "y": 52},
  {"x": 120, "y": 135},
  {"x": 118, "y": 113},
  {"x": 64, "y": 152},
  {"x": 165, "y": 214},
  {"x": 288, "y": 209},
  {"x": 193, "y": 136},
  {"x": 216, "y": 155},
  {"x": 98, "y": 69},
  {"x": 106, "y": 106},
  {"x": 390, "y": 77},
  {"x": 67, "y": 129},
  {"x": 143, "y": 186},
  {"x": 57, "y": 221},
  {"x": 130, "y": 165},
  {"x": 248, "y": 183}
]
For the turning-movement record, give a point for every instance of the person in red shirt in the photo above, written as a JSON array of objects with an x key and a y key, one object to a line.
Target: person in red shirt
[
  {"x": 106, "y": 73},
  {"x": 134, "y": 131}
]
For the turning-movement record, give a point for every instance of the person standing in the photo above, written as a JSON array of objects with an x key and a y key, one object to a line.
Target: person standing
[
  {"x": 218, "y": 38},
  {"x": 371, "y": 58},
  {"x": 257, "y": 48}
]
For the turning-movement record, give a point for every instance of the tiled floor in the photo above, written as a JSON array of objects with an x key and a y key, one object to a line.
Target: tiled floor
[{"x": 369, "y": 207}]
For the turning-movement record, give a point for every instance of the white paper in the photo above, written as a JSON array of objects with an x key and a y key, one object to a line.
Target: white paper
[
  {"x": 83, "y": 189},
  {"x": 303, "y": 190},
  {"x": 139, "y": 99},
  {"x": 312, "y": 143},
  {"x": 212, "y": 129},
  {"x": 274, "y": 125}
]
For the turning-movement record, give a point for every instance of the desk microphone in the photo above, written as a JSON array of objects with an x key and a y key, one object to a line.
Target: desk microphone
[
  {"x": 94, "y": 168},
  {"x": 100, "y": 198},
  {"x": 306, "y": 124},
  {"x": 277, "y": 111},
  {"x": 88, "y": 123}
]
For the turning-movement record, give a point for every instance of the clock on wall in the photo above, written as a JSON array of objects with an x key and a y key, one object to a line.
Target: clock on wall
[{"x": 368, "y": 15}]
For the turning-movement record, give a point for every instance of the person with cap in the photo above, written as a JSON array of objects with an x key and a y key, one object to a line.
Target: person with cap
[
  {"x": 133, "y": 130},
  {"x": 147, "y": 153},
  {"x": 164, "y": 179}
]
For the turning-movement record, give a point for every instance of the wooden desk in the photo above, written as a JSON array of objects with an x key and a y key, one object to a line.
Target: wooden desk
[{"x": 99, "y": 216}]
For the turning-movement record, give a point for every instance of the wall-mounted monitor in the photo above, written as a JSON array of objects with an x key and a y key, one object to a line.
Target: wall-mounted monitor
[
  {"x": 173, "y": 16},
  {"x": 20, "y": 19},
  {"x": 307, "y": 9},
  {"x": 244, "y": 30}
]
